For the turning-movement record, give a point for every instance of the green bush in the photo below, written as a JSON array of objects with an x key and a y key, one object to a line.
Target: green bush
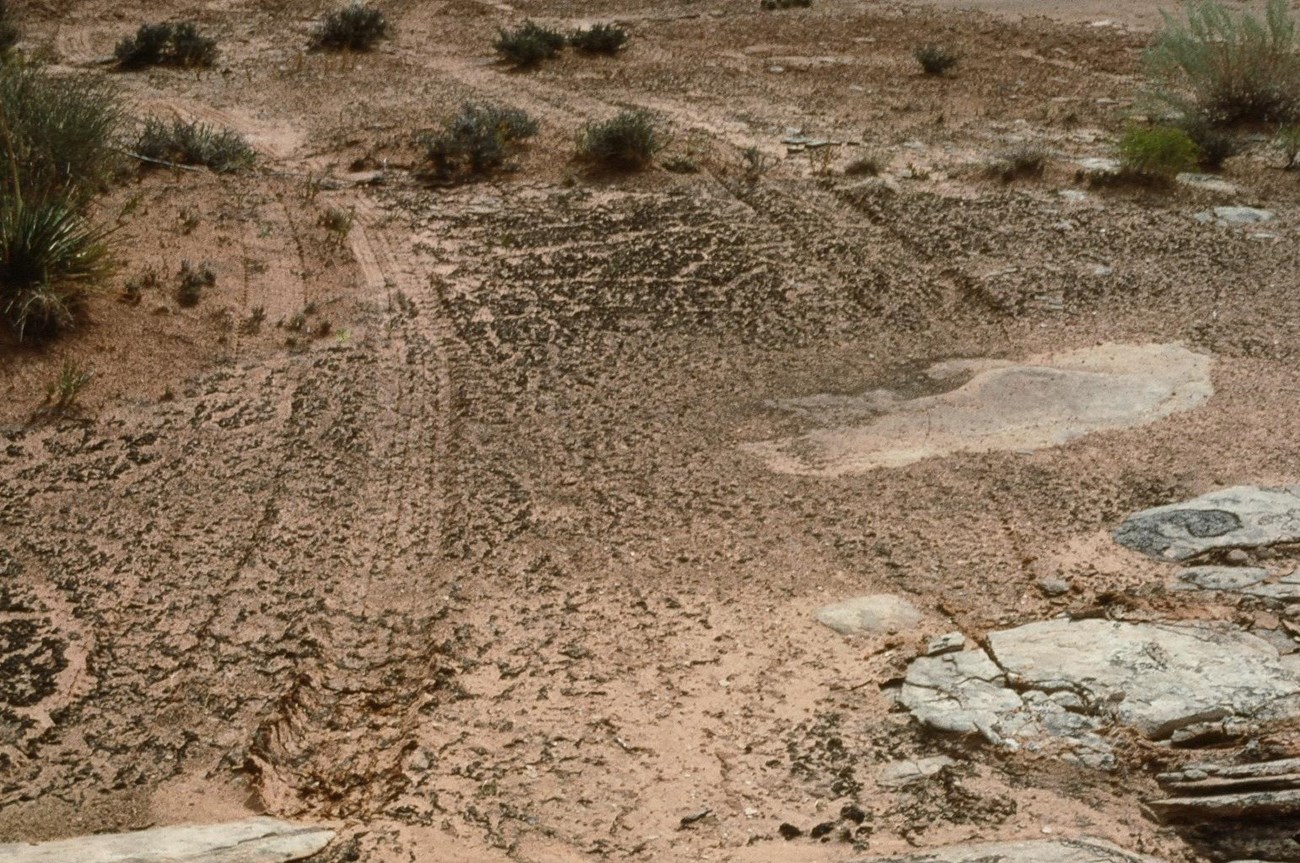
[
  {"x": 1216, "y": 144},
  {"x": 599, "y": 39},
  {"x": 57, "y": 133},
  {"x": 166, "y": 45},
  {"x": 476, "y": 140},
  {"x": 1228, "y": 67},
  {"x": 194, "y": 143},
  {"x": 627, "y": 142},
  {"x": 771, "y": 5},
  {"x": 9, "y": 32},
  {"x": 1156, "y": 154},
  {"x": 355, "y": 27},
  {"x": 935, "y": 60},
  {"x": 48, "y": 254},
  {"x": 528, "y": 44}
]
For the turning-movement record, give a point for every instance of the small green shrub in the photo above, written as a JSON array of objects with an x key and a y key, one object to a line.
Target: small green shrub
[
  {"x": 57, "y": 132},
  {"x": 627, "y": 142},
  {"x": 1156, "y": 154},
  {"x": 477, "y": 140},
  {"x": 935, "y": 60},
  {"x": 48, "y": 254},
  {"x": 599, "y": 39},
  {"x": 166, "y": 45},
  {"x": 1288, "y": 141},
  {"x": 61, "y": 396},
  {"x": 1228, "y": 67},
  {"x": 193, "y": 280},
  {"x": 356, "y": 27},
  {"x": 1216, "y": 144},
  {"x": 195, "y": 143},
  {"x": 771, "y": 5},
  {"x": 1020, "y": 162},
  {"x": 9, "y": 32},
  {"x": 528, "y": 44}
]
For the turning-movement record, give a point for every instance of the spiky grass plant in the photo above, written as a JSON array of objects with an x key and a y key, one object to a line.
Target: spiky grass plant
[
  {"x": 194, "y": 143},
  {"x": 1228, "y": 67}
]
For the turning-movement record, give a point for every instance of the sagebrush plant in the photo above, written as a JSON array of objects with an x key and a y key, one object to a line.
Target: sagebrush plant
[
  {"x": 195, "y": 143},
  {"x": 1020, "y": 162},
  {"x": 1215, "y": 143},
  {"x": 9, "y": 32},
  {"x": 476, "y": 140},
  {"x": 626, "y": 142},
  {"x": 355, "y": 27},
  {"x": 599, "y": 39},
  {"x": 1156, "y": 154},
  {"x": 866, "y": 165},
  {"x": 166, "y": 44},
  {"x": 56, "y": 131},
  {"x": 528, "y": 44},
  {"x": 1228, "y": 67},
  {"x": 936, "y": 60}
]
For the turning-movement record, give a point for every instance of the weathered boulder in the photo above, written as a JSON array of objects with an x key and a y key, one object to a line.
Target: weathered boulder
[
  {"x": 253, "y": 840},
  {"x": 1244, "y": 516},
  {"x": 1235, "y": 810},
  {"x": 1082, "y": 850},
  {"x": 874, "y": 614}
]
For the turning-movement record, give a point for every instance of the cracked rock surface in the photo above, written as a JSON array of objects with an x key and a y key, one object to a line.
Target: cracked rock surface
[
  {"x": 1244, "y": 516},
  {"x": 1070, "y": 680},
  {"x": 1033, "y": 851}
]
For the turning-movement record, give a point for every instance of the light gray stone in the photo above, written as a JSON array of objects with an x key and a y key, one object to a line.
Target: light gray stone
[
  {"x": 874, "y": 614},
  {"x": 1043, "y": 401},
  {"x": 1156, "y": 678},
  {"x": 1082, "y": 850},
  {"x": 1220, "y": 577},
  {"x": 1226, "y": 216},
  {"x": 898, "y": 774},
  {"x": 1207, "y": 183},
  {"x": 253, "y": 840},
  {"x": 946, "y": 643},
  {"x": 1244, "y": 516},
  {"x": 960, "y": 693}
]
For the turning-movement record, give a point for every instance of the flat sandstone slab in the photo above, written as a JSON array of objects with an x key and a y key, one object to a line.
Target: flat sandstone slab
[
  {"x": 1042, "y": 402},
  {"x": 1031, "y": 851},
  {"x": 253, "y": 840},
  {"x": 1244, "y": 516}
]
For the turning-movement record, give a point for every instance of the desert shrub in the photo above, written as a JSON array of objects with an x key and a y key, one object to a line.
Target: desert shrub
[
  {"x": 477, "y": 140},
  {"x": 356, "y": 27},
  {"x": 771, "y": 5},
  {"x": 935, "y": 59},
  {"x": 599, "y": 39},
  {"x": 528, "y": 44},
  {"x": 1156, "y": 153},
  {"x": 9, "y": 32},
  {"x": 58, "y": 131},
  {"x": 195, "y": 143},
  {"x": 1216, "y": 144},
  {"x": 626, "y": 142},
  {"x": 1020, "y": 162},
  {"x": 866, "y": 165},
  {"x": 49, "y": 253},
  {"x": 166, "y": 45},
  {"x": 193, "y": 280},
  {"x": 1226, "y": 66},
  {"x": 681, "y": 165},
  {"x": 1288, "y": 141}
]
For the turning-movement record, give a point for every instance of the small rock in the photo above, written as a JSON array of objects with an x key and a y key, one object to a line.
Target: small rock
[
  {"x": 1208, "y": 183},
  {"x": 822, "y": 829},
  {"x": 1220, "y": 577},
  {"x": 1235, "y": 216},
  {"x": 1053, "y": 586},
  {"x": 898, "y": 774},
  {"x": 694, "y": 817},
  {"x": 788, "y": 831},
  {"x": 875, "y": 614},
  {"x": 945, "y": 643},
  {"x": 1237, "y": 557},
  {"x": 853, "y": 812}
]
